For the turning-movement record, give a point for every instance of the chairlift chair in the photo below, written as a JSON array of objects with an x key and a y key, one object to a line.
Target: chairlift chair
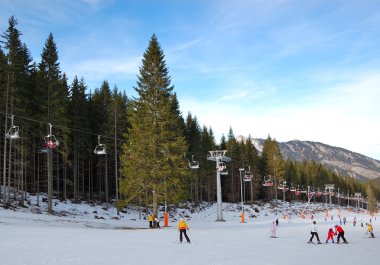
[
  {"x": 283, "y": 187},
  {"x": 51, "y": 142},
  {"x": 248, "y": 177},
  {"x": 193, "y": 164},
  {"x": 13, "y": 133},
  {"x": 222, "y": 167},
  {"x": 267, "y": 181},
  {"x": 100, "y": 149}
]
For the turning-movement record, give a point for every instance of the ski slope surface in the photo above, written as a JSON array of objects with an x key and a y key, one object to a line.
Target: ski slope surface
[{"x": 79, "y": 234}]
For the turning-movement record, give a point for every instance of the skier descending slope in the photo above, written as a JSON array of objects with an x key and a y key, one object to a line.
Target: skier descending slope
[
  {"x": 314, "y": 232},
  {"x": 182, "y": 227},
  {"x": 339, "y": 230}
]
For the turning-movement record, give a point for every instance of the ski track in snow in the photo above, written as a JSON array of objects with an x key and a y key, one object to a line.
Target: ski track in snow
[{"x": 30, "y": 239}]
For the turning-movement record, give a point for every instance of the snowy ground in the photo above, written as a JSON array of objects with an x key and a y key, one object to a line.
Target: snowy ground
[{"x": 73, "y": 236}]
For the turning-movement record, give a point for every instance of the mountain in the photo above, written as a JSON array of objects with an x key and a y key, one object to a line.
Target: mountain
[{"x": 342, "y": 161}]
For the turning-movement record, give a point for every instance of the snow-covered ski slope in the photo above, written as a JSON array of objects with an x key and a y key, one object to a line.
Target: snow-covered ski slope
[{"x": 75, "y": 237}]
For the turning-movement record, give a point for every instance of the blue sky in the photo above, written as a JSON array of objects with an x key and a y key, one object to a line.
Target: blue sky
[{"x": 294, "y": 69}]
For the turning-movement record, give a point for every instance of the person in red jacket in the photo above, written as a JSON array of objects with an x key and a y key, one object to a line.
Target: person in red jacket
[
  {"x": 330, "y": 235},
  {"x": 339, "y": 230}
]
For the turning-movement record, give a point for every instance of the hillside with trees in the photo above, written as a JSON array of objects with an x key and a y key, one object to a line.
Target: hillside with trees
[{"x": 78, "y": 143}]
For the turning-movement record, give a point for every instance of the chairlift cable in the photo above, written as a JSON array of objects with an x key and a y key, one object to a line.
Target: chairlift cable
[{"x": 64, "y": 127}]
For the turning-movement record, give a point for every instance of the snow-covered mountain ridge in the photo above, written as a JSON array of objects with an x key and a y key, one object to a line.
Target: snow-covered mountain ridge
[{"x": 342, "y": 161}]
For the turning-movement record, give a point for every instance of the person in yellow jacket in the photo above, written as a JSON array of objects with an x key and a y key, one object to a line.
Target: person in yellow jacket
[
  {"x": 182, "y": 227},
  {"x": 370, "y": 230},
  {"x": 150, "y": 219}
]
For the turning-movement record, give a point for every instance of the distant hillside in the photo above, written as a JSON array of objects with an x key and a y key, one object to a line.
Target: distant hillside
[{"x": 342, "y": 161}]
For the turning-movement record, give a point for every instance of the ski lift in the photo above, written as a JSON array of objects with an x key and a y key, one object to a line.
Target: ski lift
[
  {"x": 248, "y": 175},
  {"x": 292, "y": 188},
  {"x": 222, "y": 167},
  {"x": 100, "y": 149},
  {"x": 50, "y": 141},
  {"x": 303, "y": 191},
  {"x": 193, "y": 164},
  {"x": 268, "y": 181},
  {"x": 283, "y": 187},
  {"x": 13, "y": 132}
]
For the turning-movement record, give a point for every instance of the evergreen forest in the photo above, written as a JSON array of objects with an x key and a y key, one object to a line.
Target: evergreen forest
[{"x": 72, "y": 142}]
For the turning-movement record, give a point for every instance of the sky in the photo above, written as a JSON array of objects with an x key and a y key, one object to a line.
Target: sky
[{"x": 291, "y": 69}]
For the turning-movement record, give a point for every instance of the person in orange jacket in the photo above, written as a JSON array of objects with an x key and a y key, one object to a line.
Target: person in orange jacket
[
  {"x": 330, "y": 235},
  {"x": 182, "y": 227},
  {"x": 339, "y": 230}
]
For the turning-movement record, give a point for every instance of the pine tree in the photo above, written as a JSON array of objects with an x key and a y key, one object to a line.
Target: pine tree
[
  {"x": 17, "y": 91},
  {"x": 372, "y": 202},
  {"x": 207, "y": 170},
  {"x": 153, "y": 159}
]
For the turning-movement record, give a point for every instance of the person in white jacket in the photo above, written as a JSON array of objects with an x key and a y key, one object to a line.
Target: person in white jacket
[{"x": 314, "y": 232}]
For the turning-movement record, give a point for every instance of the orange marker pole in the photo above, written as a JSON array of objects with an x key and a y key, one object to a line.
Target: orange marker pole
[
  {"x": 242, "y": 217},
  {"x": 166, "y": 219}
]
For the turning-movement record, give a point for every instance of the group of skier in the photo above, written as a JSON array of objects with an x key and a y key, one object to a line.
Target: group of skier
[
  {"x": 154, "y": 222},
  {"x": 339, "y": 231},
  {"x": 332, "y": 232}
]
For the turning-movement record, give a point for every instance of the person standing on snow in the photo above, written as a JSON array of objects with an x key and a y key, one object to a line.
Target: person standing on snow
[
  {"x": 156, "y": 222},
  {"x": 150, "y": 219},
  {"x": 273, "y": 230},
  {"x": 339, "y": 230},
  {"x": 314, "y": 232},
  {"x": 182, "y": 227},
  {"x": 330, "y": 235}
]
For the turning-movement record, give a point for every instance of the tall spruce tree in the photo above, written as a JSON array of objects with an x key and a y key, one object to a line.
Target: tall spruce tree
[
  {"x": 372, "y": 202},
  {"x": 153, "y": 162}
]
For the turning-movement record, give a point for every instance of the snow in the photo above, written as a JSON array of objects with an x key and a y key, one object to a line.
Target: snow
[{"x": 78, "y": 238}]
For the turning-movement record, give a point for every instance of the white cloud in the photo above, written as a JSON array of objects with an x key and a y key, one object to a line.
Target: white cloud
[{"x": 346, "y": 116}]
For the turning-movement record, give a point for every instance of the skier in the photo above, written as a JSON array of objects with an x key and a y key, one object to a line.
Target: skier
[
  {"x": 344, "y": 220},
  {"x": 150, "y": 219},
  {"x": 370, "y": 230},
  {"x": 273, "y": 230},
  {"x": 277, "y": 222},
  {"x": 182, "y": 227},
  {"x": 339, "y": 230},
  {"x": 330, "y": 235},
  {"x": 314, "y": 232}
]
